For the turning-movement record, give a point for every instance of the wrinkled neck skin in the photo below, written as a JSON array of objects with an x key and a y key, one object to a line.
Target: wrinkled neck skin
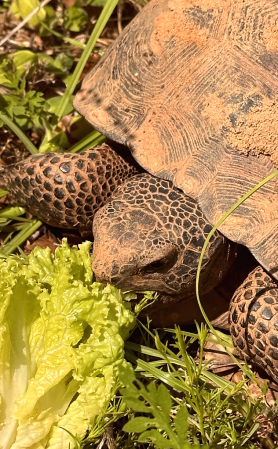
[{"x": 150, "y": 236}]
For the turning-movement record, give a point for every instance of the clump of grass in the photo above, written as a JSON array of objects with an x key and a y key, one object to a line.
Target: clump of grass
[
  {"x": 18, "y": 105},
  {"x": 171, "y": 401}
]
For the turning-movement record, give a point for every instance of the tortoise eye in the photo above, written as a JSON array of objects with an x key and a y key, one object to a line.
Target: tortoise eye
[
  {"x": 157, "y": 265},
  {"x": 162, "y": 265}
]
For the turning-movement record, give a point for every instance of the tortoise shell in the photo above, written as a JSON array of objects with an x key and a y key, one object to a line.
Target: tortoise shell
[{"x": 191, "y": 86}]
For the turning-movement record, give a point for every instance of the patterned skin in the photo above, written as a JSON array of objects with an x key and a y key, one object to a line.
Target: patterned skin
[{"x": 65, "y": 189}]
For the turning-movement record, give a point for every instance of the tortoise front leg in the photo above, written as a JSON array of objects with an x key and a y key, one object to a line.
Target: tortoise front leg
[{"x": 65, "y": 189}]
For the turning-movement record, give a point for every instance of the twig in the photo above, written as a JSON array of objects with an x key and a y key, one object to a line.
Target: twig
[{"x": 24, "y": 21}]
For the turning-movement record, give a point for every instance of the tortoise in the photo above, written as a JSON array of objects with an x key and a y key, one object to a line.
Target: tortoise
[{"x": 191, "y": 88}]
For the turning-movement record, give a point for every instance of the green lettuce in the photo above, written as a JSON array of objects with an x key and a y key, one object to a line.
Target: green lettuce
[{"x": 61, "y": 345}]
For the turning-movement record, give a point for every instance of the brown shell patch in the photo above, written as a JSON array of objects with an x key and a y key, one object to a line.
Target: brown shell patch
[
  {"x": 154, "y": 150},
  {"x": 215, "y": 110},
  {"x": 256, "y": 133},
  {"x": 270, "y": 36},
  {"x": 173, "y": 24}
]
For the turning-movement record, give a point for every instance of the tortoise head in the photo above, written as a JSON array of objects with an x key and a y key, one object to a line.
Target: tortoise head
[{"x": 150, "y": 236}]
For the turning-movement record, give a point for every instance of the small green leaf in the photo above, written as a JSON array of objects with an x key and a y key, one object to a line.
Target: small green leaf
[
  {"x": 155, "y": 437},
  {"x": 63, "y": 61},
  {"x": 49, "y": 64},
  {"x": 18, "y": 110},
  {"x": 25, "y": 7},
  {"x": 12, "y": 212},
  {"x": 3, "y": 101},
  {"x": 134, "y": 402},
  {"x": 75, "y": 19},
  {"x": 181, "y": 423},
  {"x": 126, "y": 375},
  {"x": 23, "y": 122},
  {"x": 138, "y": 424},
  {"x": 50, "y": 21},
  {"x": 60, "y": 141},
  {"x": 55, "y": 101},
  {"x": 4, "y": 80},
  {"x": 8, "y": 74},
  {"x": 164, "y": 399},
  {"x": 23, "y": 60}
]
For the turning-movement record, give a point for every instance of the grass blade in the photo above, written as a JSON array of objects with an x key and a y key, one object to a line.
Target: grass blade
[
  {"x": 103, "y": 19},
  {"x": 91, "y": 140},
  {"x": 24, "y": 139},
  {"x": 20, "y": 238}
]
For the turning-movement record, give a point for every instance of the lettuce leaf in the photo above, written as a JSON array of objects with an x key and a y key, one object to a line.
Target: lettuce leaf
[{"x": 61, "y": 345}]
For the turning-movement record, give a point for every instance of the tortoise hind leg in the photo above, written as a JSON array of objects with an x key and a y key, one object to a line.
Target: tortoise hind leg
[{"x": 254, "y": 321}]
